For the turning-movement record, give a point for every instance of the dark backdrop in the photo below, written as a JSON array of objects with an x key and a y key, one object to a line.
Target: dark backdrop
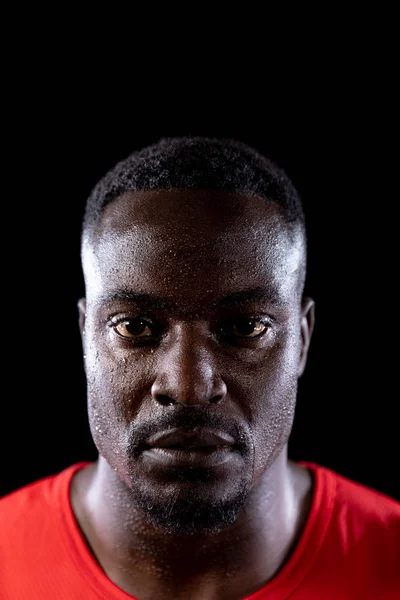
[{"x": 335, "y": 144}]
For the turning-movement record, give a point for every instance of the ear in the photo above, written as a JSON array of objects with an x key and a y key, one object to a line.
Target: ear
[
  {"x": 306, "y": 329},
  {"x": 82, "y": 316}
]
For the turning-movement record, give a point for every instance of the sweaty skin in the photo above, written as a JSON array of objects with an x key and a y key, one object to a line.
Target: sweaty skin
[{"x": 169, "y": 341}]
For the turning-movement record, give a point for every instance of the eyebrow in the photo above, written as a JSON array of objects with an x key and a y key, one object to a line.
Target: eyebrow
[{"x": 150, "y": 301}]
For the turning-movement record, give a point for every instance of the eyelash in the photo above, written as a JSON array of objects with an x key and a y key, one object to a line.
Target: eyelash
[{"x": 221, "y": 331}]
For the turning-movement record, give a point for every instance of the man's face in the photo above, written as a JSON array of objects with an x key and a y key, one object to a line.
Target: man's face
[{"x": 193, "y": 348}]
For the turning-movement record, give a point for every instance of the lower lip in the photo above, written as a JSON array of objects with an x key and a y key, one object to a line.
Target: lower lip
[{"x": 191, "y": 457}]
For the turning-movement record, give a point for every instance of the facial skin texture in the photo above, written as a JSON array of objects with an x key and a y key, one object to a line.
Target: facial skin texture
[{"x": 198, "y": 362}]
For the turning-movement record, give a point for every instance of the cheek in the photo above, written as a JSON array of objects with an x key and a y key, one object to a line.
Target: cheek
[
  {"x": 105, "y": 409},
  {"x": 268, "y": 391},
  {"x": 274, "y": 425},
  {"x": 115, "y": 390}
]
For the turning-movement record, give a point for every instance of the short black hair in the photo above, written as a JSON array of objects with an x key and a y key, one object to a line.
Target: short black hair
[{"x": 197, "y": 162}]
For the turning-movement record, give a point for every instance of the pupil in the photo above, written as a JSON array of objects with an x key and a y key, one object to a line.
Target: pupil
[
  {"x": 135, "y": 327},
  {"x": 245, "y": 326}
]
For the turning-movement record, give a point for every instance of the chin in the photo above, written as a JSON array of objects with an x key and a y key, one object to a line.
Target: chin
[
  {"x": 190, "y": 515},
  {"x": 194, "y": 505}
]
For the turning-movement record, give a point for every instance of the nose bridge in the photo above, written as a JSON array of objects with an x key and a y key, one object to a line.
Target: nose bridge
[{"x": 187, "y": 373}]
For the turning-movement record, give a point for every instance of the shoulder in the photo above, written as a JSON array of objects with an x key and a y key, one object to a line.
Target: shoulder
[
  {"x": 351, "y": 541},
  {"x": 29, "y": 505},
  {"x": 35, "y": 546},
  {"x": 359, "y": 516},
  {"x": 355, "y": 496},
  {"x": 360, "y": 500}
]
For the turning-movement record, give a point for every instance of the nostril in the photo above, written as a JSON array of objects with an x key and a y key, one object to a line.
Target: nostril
[
  {"x": 216, "y": 400},
  {"x": 165, "y": 400}
]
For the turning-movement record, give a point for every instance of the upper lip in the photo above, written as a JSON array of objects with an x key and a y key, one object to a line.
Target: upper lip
[{"x": 197, "y": 438}]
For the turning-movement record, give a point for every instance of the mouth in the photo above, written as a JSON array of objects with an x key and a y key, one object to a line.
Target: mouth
[{"x": 195, "y": 448}]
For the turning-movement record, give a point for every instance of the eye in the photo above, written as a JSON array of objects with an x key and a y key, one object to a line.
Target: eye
[
  {"x": 133, "y": 328},
  {"x": 246, "y": 327}
]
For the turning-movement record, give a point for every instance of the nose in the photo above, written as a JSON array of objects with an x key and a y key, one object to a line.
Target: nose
[{"x": 187, "y": 372}]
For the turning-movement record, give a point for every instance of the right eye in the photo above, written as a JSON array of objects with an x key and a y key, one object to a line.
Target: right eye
[
  {"x": 133, "y": 328},
  {"x": 246, "y": 328}
]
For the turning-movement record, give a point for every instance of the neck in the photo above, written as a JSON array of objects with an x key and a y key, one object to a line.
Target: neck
[{"x": 143, "y": 559}]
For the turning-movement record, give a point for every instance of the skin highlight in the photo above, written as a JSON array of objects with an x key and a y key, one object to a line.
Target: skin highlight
[{"x": 167, "y": 334}]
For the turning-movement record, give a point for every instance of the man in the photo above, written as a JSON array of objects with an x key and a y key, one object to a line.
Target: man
[{"x": 195, "y": 331}]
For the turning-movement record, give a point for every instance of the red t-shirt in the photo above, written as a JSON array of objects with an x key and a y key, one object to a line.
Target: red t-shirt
[{"x": 349, "y": 548}]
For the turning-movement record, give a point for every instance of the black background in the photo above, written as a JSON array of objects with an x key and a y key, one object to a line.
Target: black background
[{"x": 332, "y": 128}]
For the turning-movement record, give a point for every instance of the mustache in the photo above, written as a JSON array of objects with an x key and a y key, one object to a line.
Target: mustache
[{"x": 187, "y": 419}]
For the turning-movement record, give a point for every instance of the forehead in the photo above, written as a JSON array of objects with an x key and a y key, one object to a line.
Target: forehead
[{"x": 184, "y": 243}]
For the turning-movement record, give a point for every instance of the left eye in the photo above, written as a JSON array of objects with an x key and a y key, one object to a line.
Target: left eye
[
  {"x": 133, "y": 328},
  {"x": 247, "y": 328}
]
